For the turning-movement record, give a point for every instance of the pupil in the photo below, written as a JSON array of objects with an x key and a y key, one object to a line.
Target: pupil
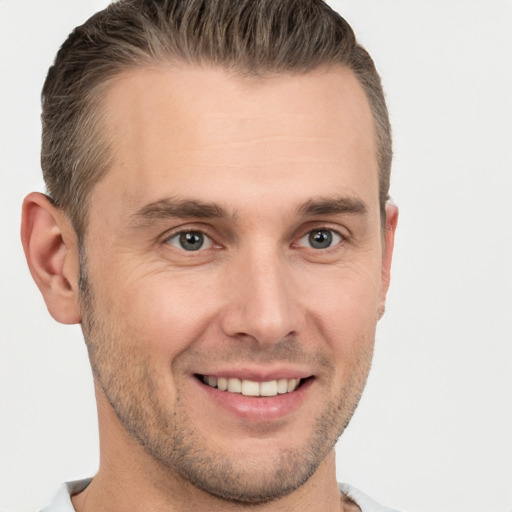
[
  {"x": 191, "y": 241},
  {"x": 320, "y": 239}
]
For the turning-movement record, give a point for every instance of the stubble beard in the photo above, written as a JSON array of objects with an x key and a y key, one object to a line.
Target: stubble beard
[{"x": 168, "y": 435}]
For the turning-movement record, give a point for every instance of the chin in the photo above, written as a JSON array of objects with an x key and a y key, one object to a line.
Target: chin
[{"x": 252, "y": 481}]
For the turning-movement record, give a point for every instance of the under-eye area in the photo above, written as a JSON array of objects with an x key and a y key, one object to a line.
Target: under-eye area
[{"x": 253, "y": 388}]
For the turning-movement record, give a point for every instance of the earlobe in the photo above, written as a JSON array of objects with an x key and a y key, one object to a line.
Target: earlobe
[
  {"x": 389, "y": 241},
  {"x": 51, "y": 250}
]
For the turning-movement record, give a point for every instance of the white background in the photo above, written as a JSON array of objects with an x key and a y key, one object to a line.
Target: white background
[{"x": 434, "y": 429}]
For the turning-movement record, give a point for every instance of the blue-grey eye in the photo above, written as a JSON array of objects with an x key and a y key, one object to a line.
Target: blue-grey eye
[
  {"x": 190, "y": 241},
  {"x": 320, "y": 239}
]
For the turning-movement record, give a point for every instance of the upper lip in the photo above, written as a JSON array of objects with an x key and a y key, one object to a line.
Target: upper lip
[{"x": 258, "y": 374}]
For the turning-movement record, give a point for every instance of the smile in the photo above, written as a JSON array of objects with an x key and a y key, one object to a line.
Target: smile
[{"x": 250, "y": 387}]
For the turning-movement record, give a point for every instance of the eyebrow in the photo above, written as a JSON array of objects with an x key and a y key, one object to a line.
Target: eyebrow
[
  {"x": 333, "y": 206},
  {"x": 171, "y": 208}
]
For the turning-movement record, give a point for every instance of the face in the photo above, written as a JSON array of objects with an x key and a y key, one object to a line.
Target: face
[{"x": 234, "y": 272}]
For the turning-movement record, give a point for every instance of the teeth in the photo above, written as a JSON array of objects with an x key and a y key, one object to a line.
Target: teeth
[
  {"x": 250, "y": 387},
  {"x": 234, "y": 385},
  {"x": 292, "y": 384},
  {"x": 282, "y": 386},
  {"x": 268, "y": 388}
]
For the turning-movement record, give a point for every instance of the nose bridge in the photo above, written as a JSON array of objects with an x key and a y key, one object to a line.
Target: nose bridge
[{"x": 263, "y": 305}]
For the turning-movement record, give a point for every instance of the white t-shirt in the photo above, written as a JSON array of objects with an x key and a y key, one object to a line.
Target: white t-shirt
[{"x": 62, "y": 500}]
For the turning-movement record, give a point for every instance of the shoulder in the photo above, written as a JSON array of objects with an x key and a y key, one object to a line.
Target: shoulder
[{"x": 62, "y": 500}]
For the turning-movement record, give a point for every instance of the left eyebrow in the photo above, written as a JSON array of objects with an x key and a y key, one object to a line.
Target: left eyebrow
[{"x": 333, "y": 206}]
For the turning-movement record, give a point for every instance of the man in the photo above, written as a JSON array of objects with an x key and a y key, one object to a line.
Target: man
[{"x": 217, "y": 220}]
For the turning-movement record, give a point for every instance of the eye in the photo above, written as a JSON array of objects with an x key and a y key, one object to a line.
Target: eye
[
  {"x": 320, "y": 239},
  {"x": 190, "y": 241}
]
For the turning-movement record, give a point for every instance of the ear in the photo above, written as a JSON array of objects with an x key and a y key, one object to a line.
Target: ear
[
  {"x": 387, "y": 253},
  {"x": 51, "y": 249}
]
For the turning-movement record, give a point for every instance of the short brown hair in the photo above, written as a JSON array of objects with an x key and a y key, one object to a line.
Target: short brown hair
[{"x": 252, "y": 37}]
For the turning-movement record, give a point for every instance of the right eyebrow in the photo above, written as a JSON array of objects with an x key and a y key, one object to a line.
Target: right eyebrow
[{"x": 170, "y": 208}]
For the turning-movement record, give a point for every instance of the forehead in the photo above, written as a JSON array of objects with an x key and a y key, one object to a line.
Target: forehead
[{"x": 173, "y": 127}]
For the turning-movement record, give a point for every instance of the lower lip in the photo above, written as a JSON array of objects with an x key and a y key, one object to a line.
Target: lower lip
[{"x": 259, "y": 409}]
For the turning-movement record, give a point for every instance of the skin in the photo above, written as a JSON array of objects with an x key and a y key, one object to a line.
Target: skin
[{"x": 269, "y": 161}]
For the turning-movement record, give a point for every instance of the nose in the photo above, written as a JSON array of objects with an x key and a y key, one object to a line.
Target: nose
[{"x": 263, "y": 303}]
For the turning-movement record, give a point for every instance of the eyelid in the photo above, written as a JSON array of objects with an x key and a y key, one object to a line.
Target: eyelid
[{"x": 343, "y": 231}]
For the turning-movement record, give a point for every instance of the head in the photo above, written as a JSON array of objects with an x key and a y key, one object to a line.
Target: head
[{"x": 218, "y": 175}]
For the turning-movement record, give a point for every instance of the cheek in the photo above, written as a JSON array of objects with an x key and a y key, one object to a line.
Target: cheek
[
  {"x": 164, "y": 312},
  {"x": 345, "y": 297},
  {"x": 344, "y": 312}
]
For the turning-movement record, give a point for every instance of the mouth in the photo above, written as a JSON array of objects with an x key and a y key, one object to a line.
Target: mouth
[{"x": 251, "y": 388}]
